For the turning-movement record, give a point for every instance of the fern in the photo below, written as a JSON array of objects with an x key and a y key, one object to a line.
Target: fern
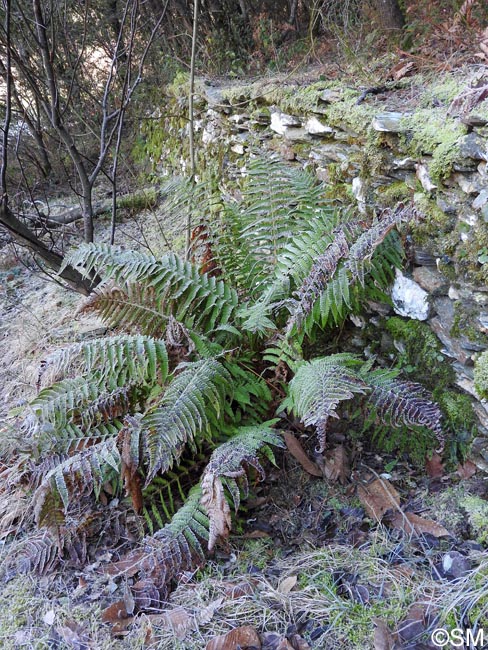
[
  {"x": 190, "y": 406},
  {"x": 400, "y": 403},
  {"x": 319, "y": 386},
  {"x": 113, "y": 361},
  {"x": 199, "y": 301},
  {"x": 81, "y": 473},
  {"x": 131, "y": 307}
]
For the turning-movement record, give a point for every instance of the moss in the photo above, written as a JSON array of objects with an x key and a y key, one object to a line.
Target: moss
[
  {"x": 429, "y": 131},
  {"x": 477, "y": 511},
  {"x": 422, "y": 352},
  {"x": 432, "y": 230},
  {"x": 397, "y": 191},
  {"x": 468, "y": 255},
  {"x": 462, "y": 326},
  {"x": 481, "y": 375}
]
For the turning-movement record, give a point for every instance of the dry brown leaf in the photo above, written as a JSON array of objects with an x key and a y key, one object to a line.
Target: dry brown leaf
[
  {"x": 299, "y": 643},
  {"x": 467, "y": 470},
  {"x": 383, "y": 638},
  {"x": 218, "y": 510},
  {"x": 434, "y": 466},
  {"x": 402, "y": 69},
  {"x": 378, "y": 498},
  {"x": 296, "y": 450},
  {"x": 178, "y": 620},
  {"x": 286, "y": 585},
  {"x": 412, "y": 523},
  {"x": 206, "y": 614},
  {"x": 128, "y": 566},
  {"x": 238, "y": 639},
  {"x": 336, "y": 466},
  {"x": 235, "y": 591},
  {"x": 115, "y": 612}
]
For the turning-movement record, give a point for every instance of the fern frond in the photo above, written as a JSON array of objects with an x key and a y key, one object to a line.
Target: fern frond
[
  {"x": 398, "y": 402},
  {"x": 38, "y": 553},
  {"x": 191, "y": 404},
  {"x": 363, "y": 248},
  {"x": 318, "y": 278},
  {"x": 197, "y": 300},
  {"x": 319, "y": 386},
  {"x": 80, "y": 474},
  {"x": 132, "y": 307},
  {"x": 80, "y": 402},
  {"x": 226, "y": 468},
  {"x": 114, "y": 360},
  {"x": 175, "y": 548}
]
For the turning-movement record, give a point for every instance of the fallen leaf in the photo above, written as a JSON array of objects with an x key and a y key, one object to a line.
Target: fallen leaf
[
  {"x": 434, "y": 466},
  {"x": 296, "y": 450},
  {"x": 401, "y": 70},
  {"x": 115, "y": 612},
  {"x": 336, "y": 466},
  {"x": 413, "y": 624},
  {"x": 378, "y": 498},
  {"x": 299, "y": 643},
  {"x": 240, "y": 638},
  {"x": 206, "y": 614},
  {"x": 129, "y": 565},
  {"x": 178, "y": 620},
  {"x": 383, "y": 638},
  {"x": 467, "y": 470},
  {"x": 234, "y": 591},
  {"x": 412, "y": 523},
  {"x": 286, "y": 585}
]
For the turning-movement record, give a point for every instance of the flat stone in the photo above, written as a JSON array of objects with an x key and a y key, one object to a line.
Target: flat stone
[
  {"x": 473, "y": 146},
  {"x": 333, "y": 152},
  {"x": 281, "y": 122},
  {"x": 409, "y": 299},
  {"x": 483, "y": 322},
  {"x": 314, "y": 126},
  {"x": 431, "y": 280},
  {"x": 359, "y": 190},
  {"x": 452, "y": 347},
  {"x": 470, "y": 183},
  {"x": 329, "y": 96},
  {"x": 389, "y": 122},
  {"x": 424, "y": 178},
  {"x": 404, "y": 163},
  {"x": 480, "y": 200}
]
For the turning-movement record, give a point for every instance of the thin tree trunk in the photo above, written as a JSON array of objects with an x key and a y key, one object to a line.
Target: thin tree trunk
[
  {"x": 26, "y": 237},
  {"x": 390, "y": 15},
  {"x": 191, "y": 121}
]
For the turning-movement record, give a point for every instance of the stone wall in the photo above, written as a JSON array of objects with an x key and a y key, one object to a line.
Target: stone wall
[{"x": 434, "y": 155}]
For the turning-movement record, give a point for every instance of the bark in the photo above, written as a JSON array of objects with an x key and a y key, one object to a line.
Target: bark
[
  {"x": 390, "y": 15},
  {"x": 26, "y": 237}
]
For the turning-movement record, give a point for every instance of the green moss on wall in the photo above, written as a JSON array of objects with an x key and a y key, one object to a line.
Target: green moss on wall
[{"x": 481, "y": 375}]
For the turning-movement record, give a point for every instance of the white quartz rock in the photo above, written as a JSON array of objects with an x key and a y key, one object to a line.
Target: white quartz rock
[{"x": 409, "y": 299}]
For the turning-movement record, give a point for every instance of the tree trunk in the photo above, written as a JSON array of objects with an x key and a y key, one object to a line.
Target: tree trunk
[
  {"x": 26, "y": 237},
  {"x": 390, "y": 15}
]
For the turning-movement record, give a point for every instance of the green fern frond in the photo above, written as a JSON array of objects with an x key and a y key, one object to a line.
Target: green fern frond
[
  {"x": 114, "y": 360},
  {"x": 398, "y": 402},
  {"x": 282, "y": 350},
  {"x": 80, "y": 401},
  {"x": 197, "y": 300},
  {"x": 228, "y": 459},
  {"x": 227, "y": 467},
  {"x": 192, "y": 403},
  {"x": 80, "y": 474},
  {"x": 319, "y": 386},
  {"x": 133, "y": 307}
]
